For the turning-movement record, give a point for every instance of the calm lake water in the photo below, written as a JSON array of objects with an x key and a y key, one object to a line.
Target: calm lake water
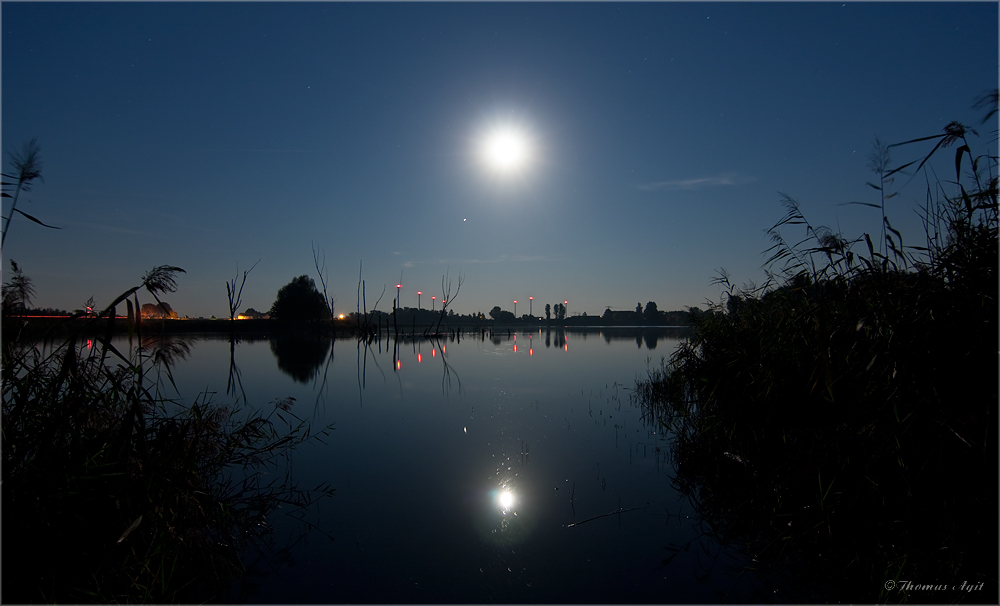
[{"x": 476, "y": 470}]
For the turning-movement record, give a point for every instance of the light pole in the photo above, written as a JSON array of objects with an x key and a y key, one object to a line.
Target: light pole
[
  {"x": 433, "y": 301},
  {"x": 515, "y": 308},
  {"x": 530, "y": 300},
  {"x": 398, "y": 286},
  {"x": 566, "y": 308},
  {"x": 418, "y": 299}
]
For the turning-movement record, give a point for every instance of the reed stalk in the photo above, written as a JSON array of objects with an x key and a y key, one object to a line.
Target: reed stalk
[
  {"x": 113, "y": 492},
  {"x": 847, "y": 407}
]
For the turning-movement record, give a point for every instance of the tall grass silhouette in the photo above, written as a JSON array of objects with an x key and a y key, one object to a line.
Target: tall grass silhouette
[
  {"x": 839, "y": 422},
  {"x": 113, "y": 492}
]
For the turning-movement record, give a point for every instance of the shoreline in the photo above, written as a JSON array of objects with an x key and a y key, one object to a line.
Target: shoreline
[{"x": 40, "y": 326}]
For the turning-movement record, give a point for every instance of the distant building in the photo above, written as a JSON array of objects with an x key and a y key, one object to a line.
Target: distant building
[
  {"x": 252, "y": 314},
  {"x": 158, "y": 311}
]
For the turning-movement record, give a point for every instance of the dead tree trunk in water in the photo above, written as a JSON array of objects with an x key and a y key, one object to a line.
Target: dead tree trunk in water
[{"x": 447, "y": 297}]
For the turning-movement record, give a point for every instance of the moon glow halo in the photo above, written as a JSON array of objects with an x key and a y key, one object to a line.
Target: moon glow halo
[{"x": 505, "y": 150}]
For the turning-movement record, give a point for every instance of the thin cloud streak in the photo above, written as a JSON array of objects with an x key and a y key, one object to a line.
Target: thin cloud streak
[
  {"x": 512, "y": 259},
  {"x": 255, "y": 150},
  {"x": 693, "y": 184},
  {"x": 500, "y": 259},
  {"x": 116, "y": 230}
]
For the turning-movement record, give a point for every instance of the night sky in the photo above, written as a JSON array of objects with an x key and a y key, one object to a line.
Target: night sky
[{"x": 660, "y": 138}]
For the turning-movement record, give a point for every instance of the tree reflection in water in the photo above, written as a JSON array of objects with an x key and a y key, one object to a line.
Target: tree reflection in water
[{"x": 300, "y": 356}]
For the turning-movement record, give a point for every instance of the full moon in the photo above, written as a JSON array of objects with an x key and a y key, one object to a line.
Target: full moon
[{"x": 506, "y": 150}]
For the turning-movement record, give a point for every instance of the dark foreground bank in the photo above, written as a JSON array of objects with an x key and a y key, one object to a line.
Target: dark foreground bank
[{"x": 840, "y": 425}]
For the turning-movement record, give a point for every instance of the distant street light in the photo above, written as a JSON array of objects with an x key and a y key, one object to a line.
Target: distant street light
[
  {"x": 418, "y": 299},
  {"x": 433, "y": 301},
  {"x": 398, "y": 286},
  {"x": 515, "y": 308},
  {"x": 566, "y": 307},
  {"x": 530, "y": 301}
]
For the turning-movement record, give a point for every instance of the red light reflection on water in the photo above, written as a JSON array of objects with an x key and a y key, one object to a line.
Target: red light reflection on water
[
  {"x": 399, "y": 364},
  {"x": 419, "y": 359}
]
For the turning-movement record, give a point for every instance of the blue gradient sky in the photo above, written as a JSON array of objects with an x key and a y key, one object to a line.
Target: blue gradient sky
[{"x": 211, "y": 135}]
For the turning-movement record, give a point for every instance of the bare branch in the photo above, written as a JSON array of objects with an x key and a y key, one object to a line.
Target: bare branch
[
  {"x": 321, "y": 271},
  {"x": 236, "y": 296}
]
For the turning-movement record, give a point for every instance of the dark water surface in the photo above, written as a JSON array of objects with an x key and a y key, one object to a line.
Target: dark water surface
[{"x": 433, "y": 438}]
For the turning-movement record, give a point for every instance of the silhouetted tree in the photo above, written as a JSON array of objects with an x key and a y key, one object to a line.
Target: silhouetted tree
[
  {"x": 299, "y": 300},
  {"x": 548, "y": 312},
  {"x": 501, "y": 315},
  {"x": 638, "y": 308},
  {"x": 652, "y": 313}
]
